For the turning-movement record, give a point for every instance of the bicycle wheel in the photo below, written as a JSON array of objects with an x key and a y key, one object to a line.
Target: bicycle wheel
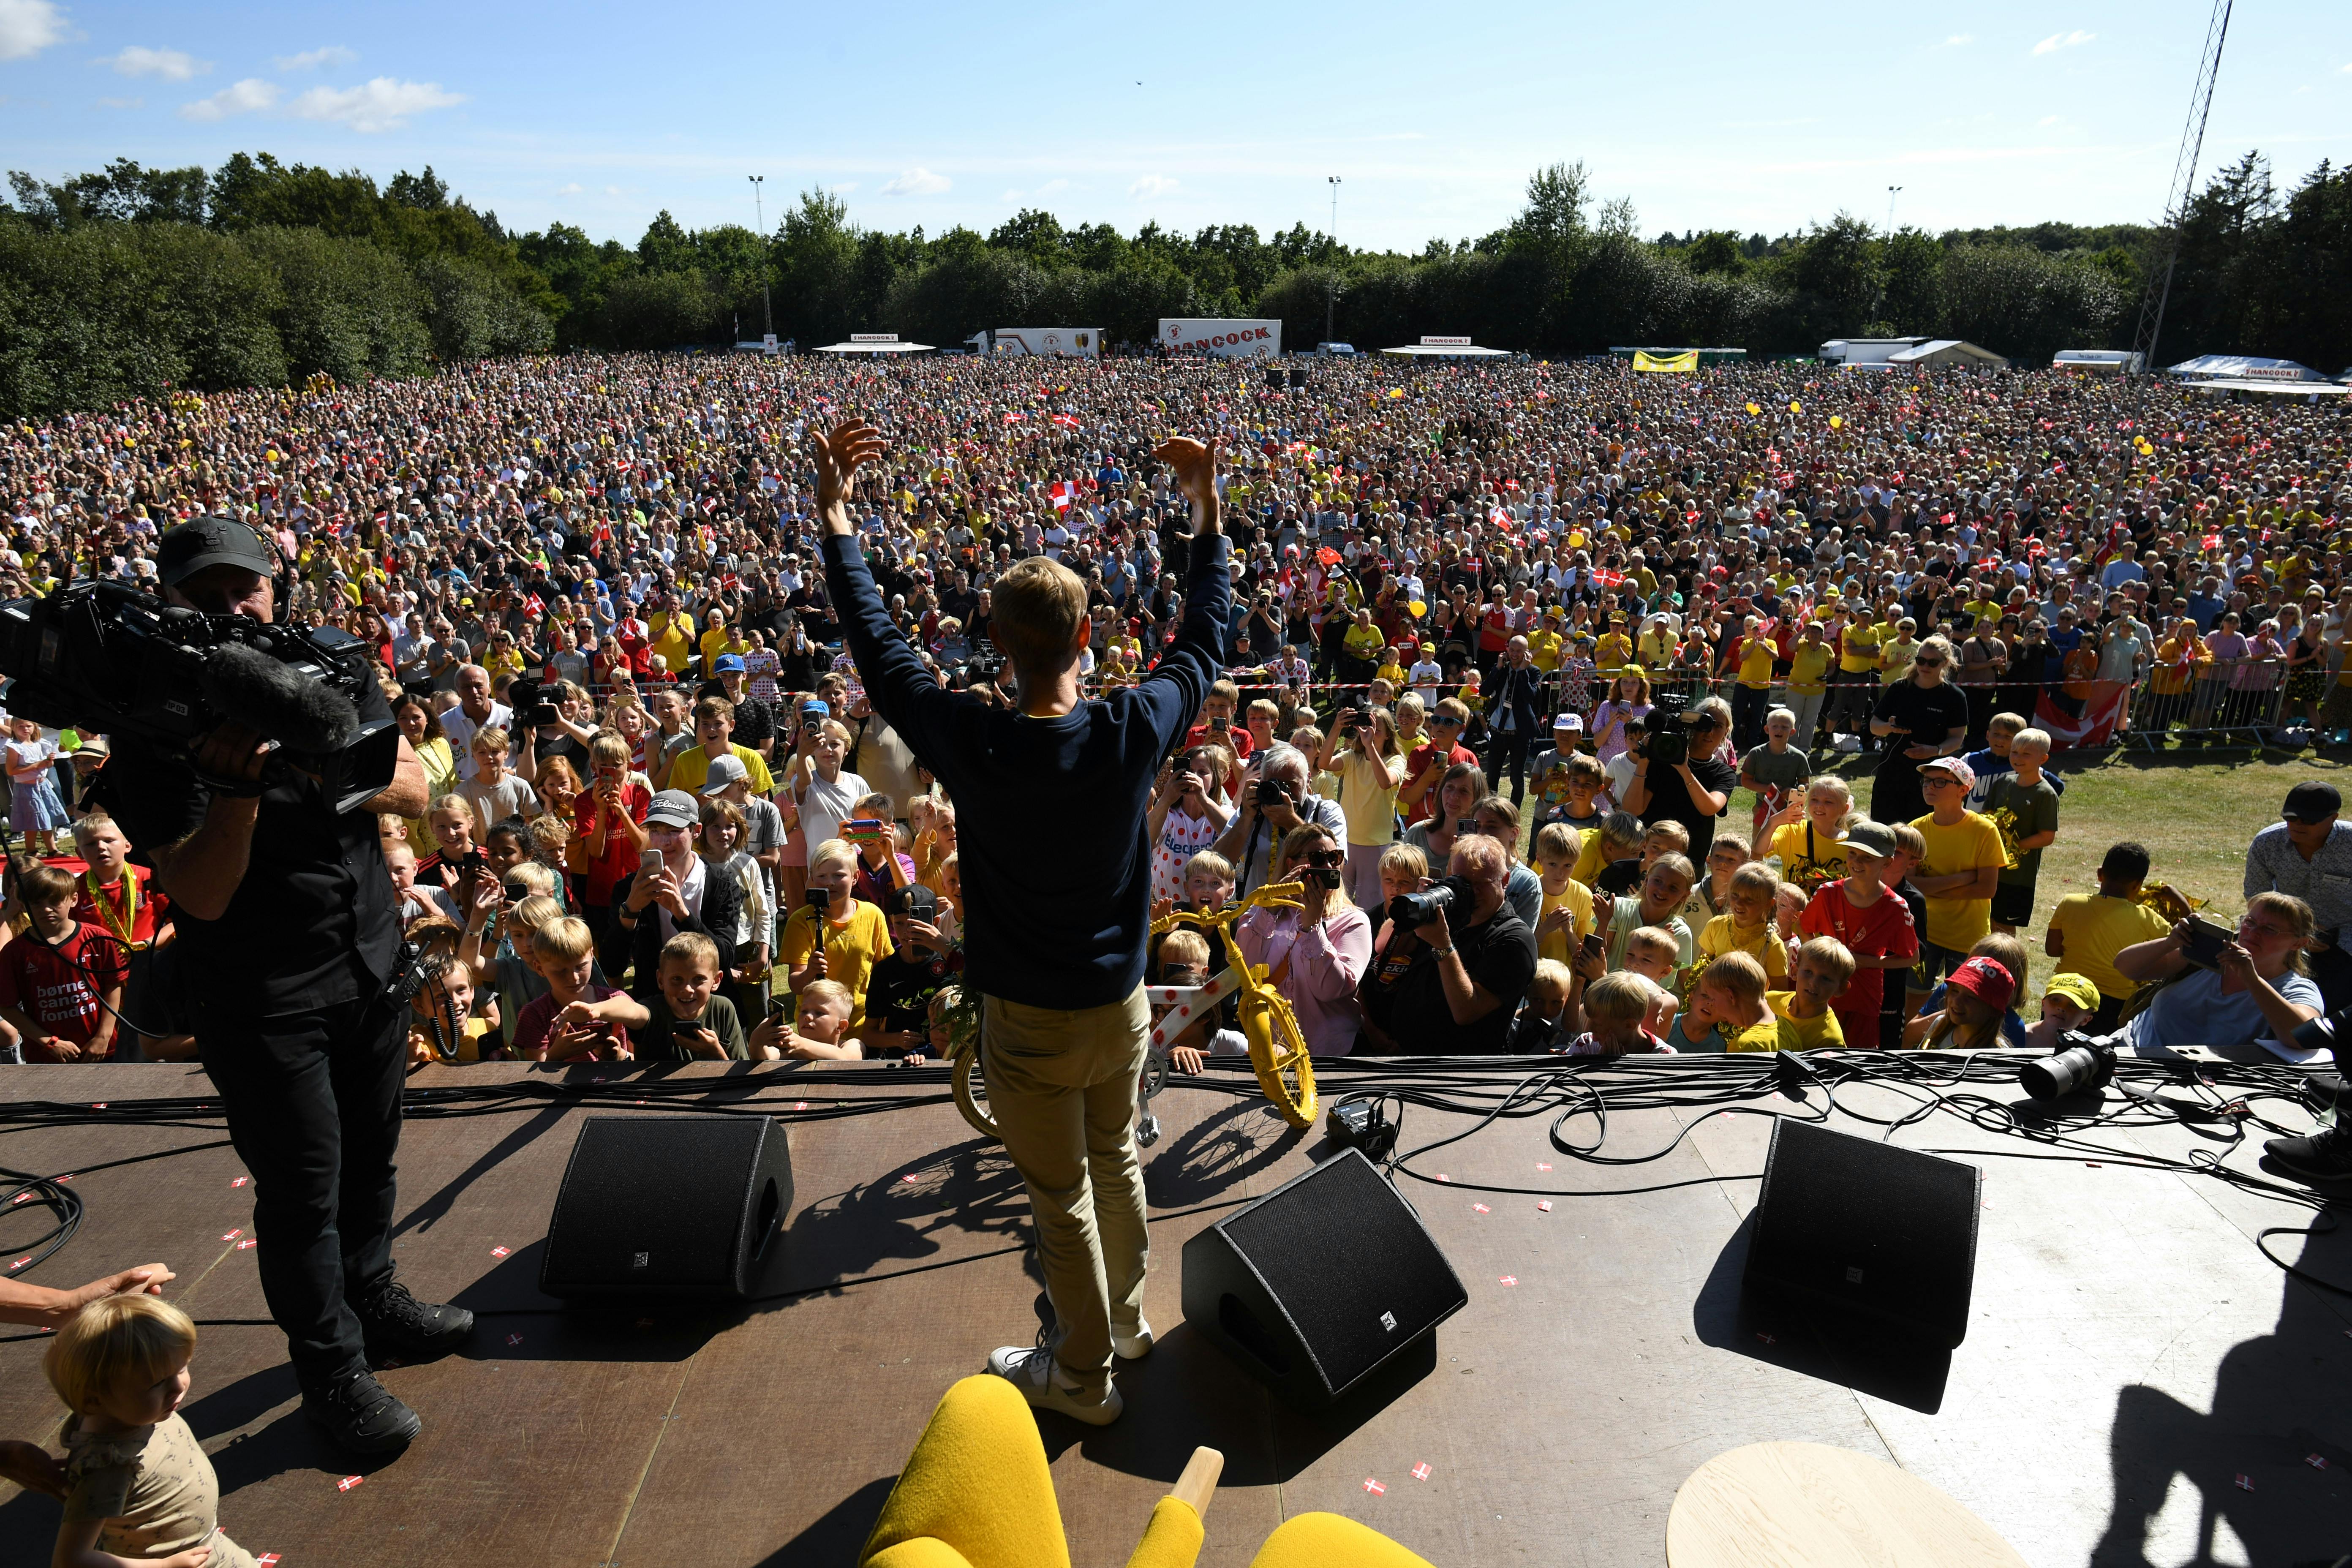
[
  {"x": 1278, "y": 1054},
  {"x": 972, "y": 1092}
]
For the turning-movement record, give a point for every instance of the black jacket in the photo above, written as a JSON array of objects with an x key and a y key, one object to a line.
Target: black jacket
[{"x": 722, "y": 909}]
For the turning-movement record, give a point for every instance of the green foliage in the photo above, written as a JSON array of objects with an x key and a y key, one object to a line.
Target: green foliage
[{"x": 117, "y": 282}]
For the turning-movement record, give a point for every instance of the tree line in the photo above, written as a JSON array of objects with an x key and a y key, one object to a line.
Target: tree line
[{"x": 121, "y": 282}]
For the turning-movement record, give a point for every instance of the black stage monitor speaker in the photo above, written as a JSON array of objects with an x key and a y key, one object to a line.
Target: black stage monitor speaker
[
  {"x": 671, "y": 1205},
  {"x": 1319, "y": 1282},
  {"x": 1864, "y": 1227},
  {"x": 1277, "y": 377}
]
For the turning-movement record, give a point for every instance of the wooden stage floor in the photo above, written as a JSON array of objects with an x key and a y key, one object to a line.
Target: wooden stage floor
[{"x": 2131, "y": 1357}]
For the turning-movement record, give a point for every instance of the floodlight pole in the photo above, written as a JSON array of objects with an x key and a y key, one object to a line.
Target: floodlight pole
[
  {"x": 760, "y": 214},
  {"x": 1331, "y": 295},
  {"x": 1891, "y": 192}
]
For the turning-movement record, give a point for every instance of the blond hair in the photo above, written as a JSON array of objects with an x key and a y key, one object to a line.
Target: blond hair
[
  {"x": 1741, "y": 973},
  {"x": 1040, "y": 605},
  {"x": 1828, "y": 952},
  {"x": 1404, "y": 860},
  {"x": 689, "y": 944},
  {"x": 134, "y": 1340},
  {"x": 565, "y": 940},
  {"x": 831, "y": 850},
  {"x": 823, "y": 993},
  {"x": 1653, "y": 939},
  {"x": 1617, "y": 997},
  {"x": 1189, "y": 948}
]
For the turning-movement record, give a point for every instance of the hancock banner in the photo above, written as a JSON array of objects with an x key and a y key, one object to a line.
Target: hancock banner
[{"x": 1226, "y": 337}]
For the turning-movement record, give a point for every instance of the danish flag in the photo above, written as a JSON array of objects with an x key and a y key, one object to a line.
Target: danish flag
[
  {"x": 1062, "y": 493},
  {"x": 533, "y": 607},
  {"x": 1066, "y": 421}
]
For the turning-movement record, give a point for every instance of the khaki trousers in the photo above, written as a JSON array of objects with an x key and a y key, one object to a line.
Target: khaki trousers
[{"x": 1062, "y": 1085}]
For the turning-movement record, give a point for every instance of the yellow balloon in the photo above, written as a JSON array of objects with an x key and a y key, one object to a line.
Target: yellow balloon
[
  {"x": 1836, "y": 422},
  {"x": 271, "y": 455},
  {"x": 1753, "y": 409},
  {"x": 1795, "y": 408},
  {"x": 1419, "y": 607}
]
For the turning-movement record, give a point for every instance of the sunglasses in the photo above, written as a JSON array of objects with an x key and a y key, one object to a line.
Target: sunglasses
[
  {"x": 1928, "y": 663},
  {"x": 1326, "y": 858}
]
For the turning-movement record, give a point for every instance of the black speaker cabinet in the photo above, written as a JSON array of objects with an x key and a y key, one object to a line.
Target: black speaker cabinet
[
  {"x": 671, "y": 1205},
  {"x": 1886, "y": 1235},
  {"x": 1319, "y": 1282}
]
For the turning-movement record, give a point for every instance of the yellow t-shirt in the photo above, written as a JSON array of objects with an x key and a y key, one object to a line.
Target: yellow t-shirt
[
  {"x": 1788, "y": 844},
  {"x": 1613, "y": 652},
  {"x": 690, "y": 768},
  {"x": 1813, "y": 1034},
  {"x": 1758, "y": 941},
  {"x": 1543, "y": 649},
  {"x": 1808, "y": 668},
  {"x": 1658, "y": 649},
  {"x": 1774, "y": 1033},
  {"x": 1756, "y": 664},
  {"x": 2094, "y": 928},
  {"x": 1972, "y": 842},
  {"x": 1367, "y": 800},
  {"x": 1592, "y": 859},
  {"x": 1898, "y": 651},
  {"x": 1560, "y": 943},
  {"x": 851, "y": 947},
  {"x": 1858, "y": 654}
]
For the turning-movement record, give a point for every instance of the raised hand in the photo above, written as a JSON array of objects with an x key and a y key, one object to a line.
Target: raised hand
[
  {"x": 840, "y": 454},
  {"x": 1195, "y": 468}
]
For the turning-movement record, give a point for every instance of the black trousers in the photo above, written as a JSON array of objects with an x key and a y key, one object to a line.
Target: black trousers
[
  {"x": 313, "y": 1104},
  {"x": 1508, "y": 750}
]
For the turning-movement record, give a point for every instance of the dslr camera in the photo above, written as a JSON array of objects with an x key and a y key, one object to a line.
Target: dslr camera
[
  {"x": 529, "y": 701},
  {"x": 1411, "y": 910}
]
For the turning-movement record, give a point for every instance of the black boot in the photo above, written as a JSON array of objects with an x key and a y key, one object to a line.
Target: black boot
[
  {"x": 397, "y": 1324},
  {"x": 359, "y": 1414}
]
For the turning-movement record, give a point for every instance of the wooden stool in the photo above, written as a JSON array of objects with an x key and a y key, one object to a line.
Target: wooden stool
[{"x": 1806, "y": 1505}]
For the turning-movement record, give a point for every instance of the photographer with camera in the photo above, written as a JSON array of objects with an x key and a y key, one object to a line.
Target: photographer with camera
[
  {"x": 1315, "y": 955},
  {"x": 1275, "y": 802},
  {"x": 1677, "y": 777},
  {"x": 1055, "y": 943},
  {"x": 2230, "y": 989},
  {"x": 285, "y": 911},
  {"x": 1471, "y": 967}
]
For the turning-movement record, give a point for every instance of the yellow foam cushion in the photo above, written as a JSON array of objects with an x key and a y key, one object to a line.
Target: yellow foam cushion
[
  {"x": 977, "y": 1483},
  {"x": 1327, "y": 1540}
]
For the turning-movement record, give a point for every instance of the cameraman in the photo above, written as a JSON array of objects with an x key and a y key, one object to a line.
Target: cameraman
[
  {"x": 285, "y": 908},
  {"x": 1273, "y": 799},
  {"x": 1695, "y": 787},
  {"x": 1461, "y": 988}
]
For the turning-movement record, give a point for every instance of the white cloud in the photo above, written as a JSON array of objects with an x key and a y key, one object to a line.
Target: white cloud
[
  {"x": 1957, "y": 39},
  {"x": 612, "y": 190},
  {"x": 915, "y": 182},
  {"x": 1152, "y": 186},
  {"x": 2047, "y": 120},
  {"x": 382, "y": 104},
  {"x": 28, "y": 27},
  {"x": 122, "y": 103},
  {"x": 172, "y": 65},
  {"x": 573, "y": 189},
  {"x": 247, "y": 96},
  {"x": 2056, "y": 41},
  {"x": 311, "y": 59}
]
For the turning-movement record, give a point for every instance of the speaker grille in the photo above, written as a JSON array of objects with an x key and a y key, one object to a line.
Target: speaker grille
[
  {"x": 653, "y": 1204},
  {"x": 1866, "y": 1226},
  {"x": 1348, "y": 1260}
]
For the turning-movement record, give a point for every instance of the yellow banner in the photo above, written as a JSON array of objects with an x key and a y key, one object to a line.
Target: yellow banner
[{"x": 1685, "y": 361}]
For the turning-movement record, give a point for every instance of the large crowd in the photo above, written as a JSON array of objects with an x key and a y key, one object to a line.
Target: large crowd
[{"x": 664, "y": 821}]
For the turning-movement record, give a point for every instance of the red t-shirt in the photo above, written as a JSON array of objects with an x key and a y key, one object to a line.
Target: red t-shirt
[
  {"x": 1237, "y": 737},
  {"x": 152, "y": 904},
  {"x": 1494, "y": 630},
  {"x": 620, "y": 856},
  {"x": 538, "y": 1017},
  {"x": 57, "y": 987},
  {"x": 1881, "y": 930},
  {"x": 1426, "y": 806}
]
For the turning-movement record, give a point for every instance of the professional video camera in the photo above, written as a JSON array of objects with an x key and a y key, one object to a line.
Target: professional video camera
[
  {"x": 108, "y": 656},
  {"x": 1668, "y": 742}
]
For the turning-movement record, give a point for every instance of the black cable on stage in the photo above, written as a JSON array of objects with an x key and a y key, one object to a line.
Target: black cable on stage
[{"x": 64, "y": 1204}]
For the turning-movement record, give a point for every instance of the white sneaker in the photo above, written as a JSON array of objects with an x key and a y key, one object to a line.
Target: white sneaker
[
  {"x": 1134, "y": 1345},
  {"x": 1044, "y": 1384}
]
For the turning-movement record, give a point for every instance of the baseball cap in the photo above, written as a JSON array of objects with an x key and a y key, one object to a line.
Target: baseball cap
[
  {"x": 205, "y": 541},
  {"x": 1986, "y": 980},
  {"x": 2312, "y": 803},
  {"x": 915, "y": 901},
  {"x": 729, "y": 663},
  {"x": 1954, "y": 767},
  {"x": 724, "y": 771},
  {"x": 1874, "y": 839},
  {"x": 673, "y": 808},
  {"x": 2076, "y": 988},
  {"x": 816, "y": 707},
  {"x": 1567, "y": 721}
]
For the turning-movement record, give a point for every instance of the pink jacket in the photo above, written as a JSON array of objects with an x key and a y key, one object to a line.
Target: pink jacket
[{"x": 1324, "y": 964}]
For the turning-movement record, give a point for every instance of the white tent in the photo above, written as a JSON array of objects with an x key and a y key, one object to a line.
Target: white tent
[
  {"x": 1950, "y": 354},
  {"x": 1434, "y": 346},
  {"x": 2272, "y": 388},
  {"x": 873, "y": 344}
]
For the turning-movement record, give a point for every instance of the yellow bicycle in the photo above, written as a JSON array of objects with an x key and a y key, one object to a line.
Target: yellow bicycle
[{"x": 1276, "y": 1048}]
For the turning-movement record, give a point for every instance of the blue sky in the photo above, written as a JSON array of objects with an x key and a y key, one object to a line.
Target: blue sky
[{"x": 1707, "y": 115}]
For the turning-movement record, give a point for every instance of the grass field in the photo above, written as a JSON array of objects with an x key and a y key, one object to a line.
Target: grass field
[{"x": 2195, "y": 814}]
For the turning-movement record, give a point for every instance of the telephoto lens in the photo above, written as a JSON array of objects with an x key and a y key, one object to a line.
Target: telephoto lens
[{"x": 2086, "y": 1063}]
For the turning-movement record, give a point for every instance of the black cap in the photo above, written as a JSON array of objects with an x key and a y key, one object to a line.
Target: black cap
[
  {"x": 916, "y": 901},
  {"x": 2312, "y": 803},
  {"x": 210, "y": 542}
]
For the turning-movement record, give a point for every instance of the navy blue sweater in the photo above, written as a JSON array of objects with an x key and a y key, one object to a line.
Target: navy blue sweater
[{"x": 1049, "y": 812}]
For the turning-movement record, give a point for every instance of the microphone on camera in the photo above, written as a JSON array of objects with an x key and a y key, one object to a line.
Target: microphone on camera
[{"x": 277, "y": 699}]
